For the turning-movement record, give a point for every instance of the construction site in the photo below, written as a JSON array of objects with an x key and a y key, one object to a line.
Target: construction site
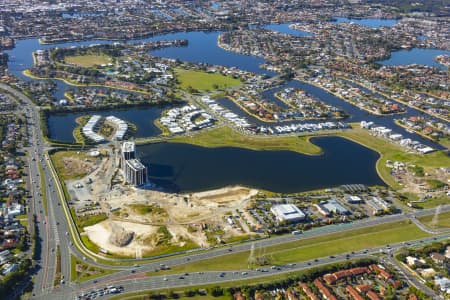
[{"x": 124, "y": 220}]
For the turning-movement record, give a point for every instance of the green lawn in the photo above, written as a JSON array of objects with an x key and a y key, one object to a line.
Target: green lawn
[
  {"x": 311, "y": 248},
  {"x": 226, "y": 137},
  {"x": 443, "y": 220},
  {"x": 87, "y": 60},
  {"x": 433, "y": 202},
  {"x": 203, "y": 81}
]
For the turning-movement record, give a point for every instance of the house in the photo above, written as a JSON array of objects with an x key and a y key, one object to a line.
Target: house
[
  {"x": 438, "y": 258},
  {"x": 443, "y": 283},
  {"x": 326, "y": 293},
  {"x": 382, "y": 273},
  {"x": 353, "y": 293},
  {"x": 428, "y": 272},
  {"x": 372, "y": 295},
  {"x": 414, "y": 261},
  {"x": 307, "y": 290}
]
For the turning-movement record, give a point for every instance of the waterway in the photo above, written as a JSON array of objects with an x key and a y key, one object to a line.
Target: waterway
[
  {"x": 189, "y": 168},
  {"x": 355, "y": 114},
  {"x": 61, "y": 126},
  {"x": 416, "y": 56},
  {"x": 284, "y": 28},
  {"x": 374, "y": 23}
]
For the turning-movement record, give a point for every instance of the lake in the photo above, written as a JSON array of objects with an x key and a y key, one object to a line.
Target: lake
[
  {"x": 61, "y": 126},
  {"x": 374, "y": 23},
  {"x": 415, "y": 56},
  {"x": 189, "y": 168}
]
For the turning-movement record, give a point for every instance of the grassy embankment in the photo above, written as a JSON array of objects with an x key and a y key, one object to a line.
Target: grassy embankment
[
  {"x": 87, "y": 60},
  {"x": 202, "y": 81},
  {"x": 226, "y": 137},
  {"x": 43, "y": 188},
  {"x": 77, "y": 132},
  {"x": 443, "y": 220},
  {"x": 390, "y": 151},
  {"x": 302, "y": 250},
  {"x": 85, "y": 272},
  {"x": 223, "y": 137}
]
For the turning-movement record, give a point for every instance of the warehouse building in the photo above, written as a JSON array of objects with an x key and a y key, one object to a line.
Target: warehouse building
[
  {"x": 287, "y": 213},
  {"x": 331, "y": 206}
]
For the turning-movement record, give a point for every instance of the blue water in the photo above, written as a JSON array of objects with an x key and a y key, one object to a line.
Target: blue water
[
  {"x": 215, "y": 5},
  {"x": 81, "y": 15},
  {"x": 284, "y": 28},
  {"x": 189, "y": 168},
  {"x": 416, "y": 56},
  {"x": 61, "y": 126},
  {"x": 374, "y": 23},
  {"x": 202, "y": 48}
]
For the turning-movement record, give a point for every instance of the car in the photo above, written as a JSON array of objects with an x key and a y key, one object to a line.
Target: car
[
  {"x": 181, "y": 277},
  {"x": 133, "y": 271},
  {"x": 165, "y": 278},
  {"x": 244, "y": 273},
  {"x": 316, "y": 260}
]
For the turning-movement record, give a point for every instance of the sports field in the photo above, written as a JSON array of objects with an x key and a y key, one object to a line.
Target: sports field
[
  {"x": 87, "y": 60},
  {"x": 203, "y": 81}
]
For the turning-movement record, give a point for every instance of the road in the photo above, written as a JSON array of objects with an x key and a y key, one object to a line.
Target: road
[
  {"x": 48, "y": 237},
  {"x": 139, "y": 281},
  {"x": 56, "y": 228}
]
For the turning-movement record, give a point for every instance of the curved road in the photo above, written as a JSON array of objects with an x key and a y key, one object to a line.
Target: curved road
[{"x": 56, "y": 228}]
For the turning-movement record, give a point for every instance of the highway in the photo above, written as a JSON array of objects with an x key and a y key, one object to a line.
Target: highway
[
  {"x": 138, "y": 281},
  {"x": 56, "y": 228}
]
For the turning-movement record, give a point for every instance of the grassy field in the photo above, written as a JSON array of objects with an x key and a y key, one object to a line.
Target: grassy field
[
  {"x": 390, "y": 151},
  {"x": 226, "y": 137},
  {"x": 363, "y": 238},
  {"x": 224, "y": 285},
  {"x": 87, "y": 60},
  {"x": 203, "y": 81},
  {"x": 433, "y": 202},
  {"x": 443, "y": 220},
  {"x": 63, "y": 172}
]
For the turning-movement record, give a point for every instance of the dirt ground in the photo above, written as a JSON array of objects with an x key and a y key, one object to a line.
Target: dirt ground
[{"x": 143, "y": 211}]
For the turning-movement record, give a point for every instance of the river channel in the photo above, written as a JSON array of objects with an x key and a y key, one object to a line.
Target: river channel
[{"x": 192, "y": 168}]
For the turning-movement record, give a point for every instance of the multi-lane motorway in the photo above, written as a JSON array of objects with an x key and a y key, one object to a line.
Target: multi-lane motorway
[{"x": 57, "y": 231}]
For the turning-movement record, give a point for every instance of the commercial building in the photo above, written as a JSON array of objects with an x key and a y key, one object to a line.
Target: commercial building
[
  {"x": 288, "y": 213},
  {"x": 331, "y": 206},
  {"x": 133, "y": 170},
  {"x": 351, "y": 199}
]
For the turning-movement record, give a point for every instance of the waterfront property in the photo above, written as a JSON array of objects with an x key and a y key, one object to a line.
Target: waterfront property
[
  {"x": 90, "y": 126},
  {"x": 133, "y": 170}
]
